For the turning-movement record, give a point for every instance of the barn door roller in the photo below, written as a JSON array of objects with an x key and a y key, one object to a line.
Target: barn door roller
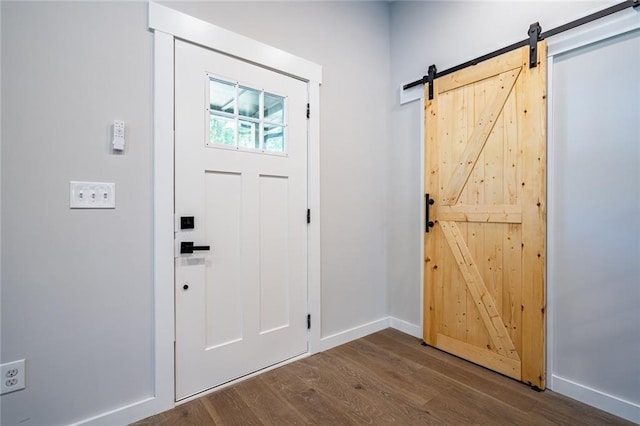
[
  {"x": 430, "y": 77},
  {"x": 534, "y": 36}
]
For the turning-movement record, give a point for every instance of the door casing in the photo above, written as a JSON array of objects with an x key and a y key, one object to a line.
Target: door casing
[{"x": 168, "y": 25}]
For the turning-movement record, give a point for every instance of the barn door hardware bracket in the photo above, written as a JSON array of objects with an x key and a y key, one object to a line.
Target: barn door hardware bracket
[
  {"x": 308, "y": 321},
  {"x": 424, "y": 343},
  {"x": 431, "y": 75},
  {"x": 428, "y": 201},
  {"x": 536, "y": 388},
  {"x": 308, "y": 216},
  {"x": 534, "y": 36}
]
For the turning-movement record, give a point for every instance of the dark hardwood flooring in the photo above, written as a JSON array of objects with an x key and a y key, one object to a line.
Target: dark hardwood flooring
[{"x": 385, "y": 378}]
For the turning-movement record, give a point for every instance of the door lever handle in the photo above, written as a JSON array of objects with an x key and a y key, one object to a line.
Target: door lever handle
[
  {"x": 187, "y": 247},
  {"x": 427, "y": 223}
]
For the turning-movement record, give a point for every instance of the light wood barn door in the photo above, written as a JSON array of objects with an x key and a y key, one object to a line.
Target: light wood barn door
[{"x": 485, "y": 160}]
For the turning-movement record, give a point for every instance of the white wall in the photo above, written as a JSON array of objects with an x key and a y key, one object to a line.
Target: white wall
[
  {"x": 77, "y": 285},
  {"x": 595, "y": 223},
  {"x": 449, "y": 33},
  {"x": 351, "y": 42}
]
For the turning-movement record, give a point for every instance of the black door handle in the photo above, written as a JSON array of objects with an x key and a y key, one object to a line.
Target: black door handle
[
  {"x": 427, "y": 223},
  {"x": 187, "y": 247}
]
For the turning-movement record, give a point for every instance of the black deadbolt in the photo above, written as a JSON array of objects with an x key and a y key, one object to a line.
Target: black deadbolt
[
  {"x": 185, "y": 287},
  {"x": 187, "y": 222}
]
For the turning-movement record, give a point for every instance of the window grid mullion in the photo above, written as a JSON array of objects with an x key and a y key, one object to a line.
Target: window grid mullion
[{"x": 236, "y": 112}]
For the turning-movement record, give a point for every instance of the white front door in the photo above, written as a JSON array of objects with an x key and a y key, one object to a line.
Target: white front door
[{"x": 241, "y": 174}]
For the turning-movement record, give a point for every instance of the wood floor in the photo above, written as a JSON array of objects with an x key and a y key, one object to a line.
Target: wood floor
[{"x": 385, "y": 378}]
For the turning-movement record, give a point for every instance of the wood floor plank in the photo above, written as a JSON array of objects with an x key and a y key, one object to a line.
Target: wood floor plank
[
  {"x": 190, "y": 414},
  {"x": 399, "y": 376},
  {"x": 460, "y": 406},
  {"x": 315, "y": 406},
  {"x": 383, "y": 404},
  {"x": 463, "y": 373},
  {"x": 269, "y": 406},
  {"x": 463, "y": 399},
  {"x": 383, "y": 379},
  {"x": 344, "y": 390},
  {"x": 562, "y": 410},
  {"x": 229, "y": 408},
  {"x": 547, "y": 405}
]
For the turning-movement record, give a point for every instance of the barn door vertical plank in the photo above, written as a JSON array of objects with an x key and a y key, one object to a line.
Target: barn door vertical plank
[
  {"x": 432, "y": 276},
  {"x": 533, "y": 137},
  {"x": 512, "y": 248}
]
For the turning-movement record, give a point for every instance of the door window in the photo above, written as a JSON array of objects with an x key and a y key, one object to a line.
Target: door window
[{"x": 245, "y": 118}]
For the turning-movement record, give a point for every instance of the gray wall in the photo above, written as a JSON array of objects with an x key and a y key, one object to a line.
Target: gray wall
[
  {"x": 595, "y": 281},
  {"x": 77, "y": 285}
]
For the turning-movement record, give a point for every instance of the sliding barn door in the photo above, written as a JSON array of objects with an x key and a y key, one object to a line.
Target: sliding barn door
[{"x": 485, "y": 158}]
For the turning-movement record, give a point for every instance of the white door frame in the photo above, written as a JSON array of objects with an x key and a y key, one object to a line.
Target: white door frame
[{"x": 168, "y": 25}]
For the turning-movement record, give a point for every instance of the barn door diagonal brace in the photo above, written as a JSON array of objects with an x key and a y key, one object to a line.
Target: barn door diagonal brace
[{"x": 534, "y": 36}]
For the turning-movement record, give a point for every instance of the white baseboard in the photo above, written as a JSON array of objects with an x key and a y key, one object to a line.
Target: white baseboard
[
  {"x": 126, "y": 414},
  {"x": 609, "y": 403},
  {"x": 354, "y": 333},
  {"x": 406, "y": 327}
]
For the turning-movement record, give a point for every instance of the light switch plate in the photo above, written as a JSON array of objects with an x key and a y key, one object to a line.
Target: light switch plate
[{"x": 92, "y": 195}]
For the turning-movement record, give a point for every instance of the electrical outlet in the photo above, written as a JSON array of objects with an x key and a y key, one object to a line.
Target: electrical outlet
[{"x": 13, "y": 376}]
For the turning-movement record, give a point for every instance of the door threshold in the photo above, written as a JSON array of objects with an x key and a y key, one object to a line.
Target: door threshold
[{"x": 242, "y": 378}]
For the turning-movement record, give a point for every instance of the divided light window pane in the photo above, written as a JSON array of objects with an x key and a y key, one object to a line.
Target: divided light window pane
[
  {"x": 248, "y": 102},
  {"x": 273, "y": 108},
  {"x": 222, "y": 130},
  {"x": 248, "y": 134},
  {"x": 222, "y": 96},
  {"x": 273, "y": 138}
]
